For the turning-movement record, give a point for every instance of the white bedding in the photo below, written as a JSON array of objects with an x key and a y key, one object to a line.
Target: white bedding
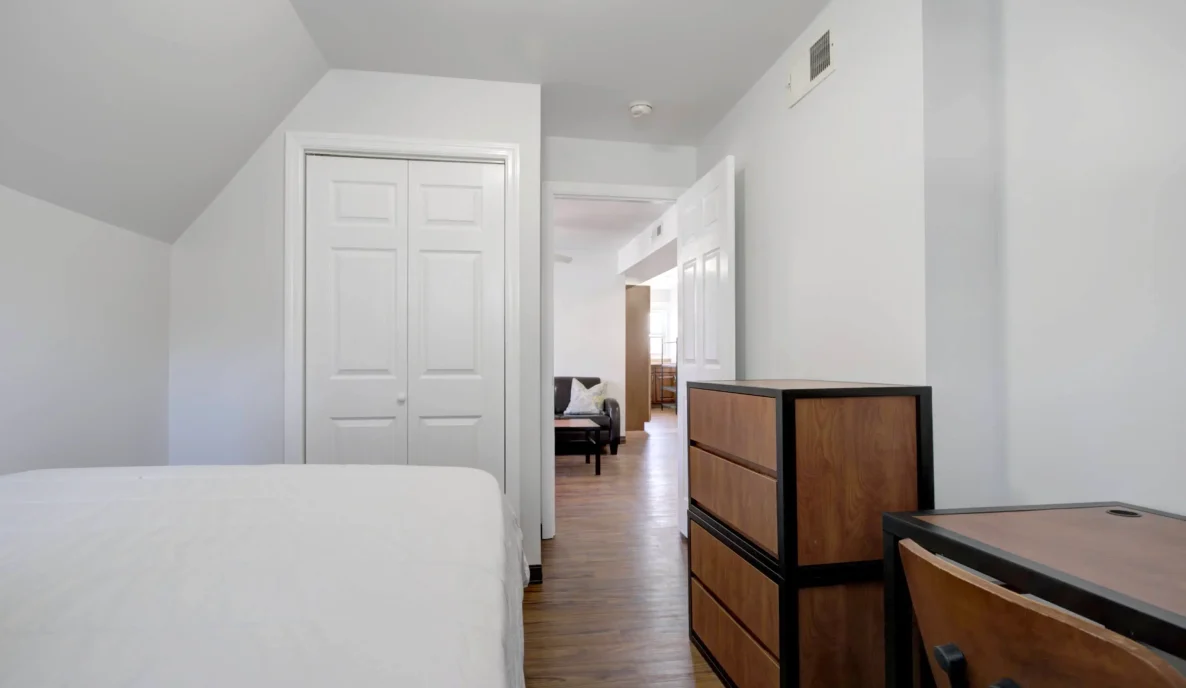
[{"x": 260, "y": 577}]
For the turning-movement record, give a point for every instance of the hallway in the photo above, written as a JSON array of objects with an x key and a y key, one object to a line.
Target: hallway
[{"x": 612, "y": 610}]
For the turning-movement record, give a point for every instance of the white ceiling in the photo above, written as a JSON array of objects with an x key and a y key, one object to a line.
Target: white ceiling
[
  {"x": 138, "y": 112},
  {"x": 587, "y": 224},
  {"x": 693, "y": 59}
]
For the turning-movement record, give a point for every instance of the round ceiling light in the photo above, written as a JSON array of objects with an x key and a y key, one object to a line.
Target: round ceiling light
[{"x": 640, "y": 108}]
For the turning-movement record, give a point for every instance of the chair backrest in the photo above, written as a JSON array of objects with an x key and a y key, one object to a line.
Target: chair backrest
[
  {"x": 563, "y": 386},
  {"x": 992, "y": 635}
]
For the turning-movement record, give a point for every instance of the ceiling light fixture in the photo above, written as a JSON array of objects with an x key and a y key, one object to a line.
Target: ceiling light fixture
[{"x": 640, "y": 108}]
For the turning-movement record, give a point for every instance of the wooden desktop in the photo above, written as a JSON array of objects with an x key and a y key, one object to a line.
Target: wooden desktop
[{"x": 1119, "y": 565}]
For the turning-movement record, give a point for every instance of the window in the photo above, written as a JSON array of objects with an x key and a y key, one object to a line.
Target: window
[
  {"x": 658, "y": 334},
  {"x": 656, "y": 349}
]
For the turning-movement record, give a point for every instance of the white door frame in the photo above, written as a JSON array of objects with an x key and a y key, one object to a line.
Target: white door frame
[
  {"x": 298, "y": 145},
  {"x": 551, "y": 192}
]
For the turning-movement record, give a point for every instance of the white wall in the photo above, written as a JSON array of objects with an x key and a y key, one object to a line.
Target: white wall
[
  {"x": 965, "y": 336},
  {"x": 649, "y": 253},
  {"x": 84, "y": 331},
  {"x": 830, "y": 224},
  {"x": 590, "y": 319},
  {"x": 227, "y": 367},
  {"x": 617, "y": 162},
  {"x": 1095, "y": 250}
]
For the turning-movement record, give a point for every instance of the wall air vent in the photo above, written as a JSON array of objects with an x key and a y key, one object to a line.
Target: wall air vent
[
  {"x": 811, "y": 64},
  {"x": 821, "y": 55}
]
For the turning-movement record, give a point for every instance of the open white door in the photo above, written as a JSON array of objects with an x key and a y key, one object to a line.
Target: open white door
[{"x": 707, "y": 295}]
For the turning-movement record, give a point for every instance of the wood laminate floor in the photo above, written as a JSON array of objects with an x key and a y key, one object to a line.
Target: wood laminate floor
[{"x": 613, "y": 607}]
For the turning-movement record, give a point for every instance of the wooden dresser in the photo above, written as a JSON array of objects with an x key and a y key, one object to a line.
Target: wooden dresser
[{"x": 787, "y": 481}]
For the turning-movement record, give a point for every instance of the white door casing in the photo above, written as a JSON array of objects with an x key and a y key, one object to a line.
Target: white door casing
[
  {"x": 356, "y": 310},
  {"x": 707, "y": 347},
  {"x": 455, "y": 315}
]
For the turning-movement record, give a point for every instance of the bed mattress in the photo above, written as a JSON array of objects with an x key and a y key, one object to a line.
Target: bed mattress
[{"x": 260, "y": 577}]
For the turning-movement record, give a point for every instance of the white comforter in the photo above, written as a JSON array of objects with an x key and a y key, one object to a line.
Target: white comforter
[{"x": 259, "y": 577}]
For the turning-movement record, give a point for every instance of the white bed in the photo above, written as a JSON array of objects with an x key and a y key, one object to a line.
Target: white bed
[{"x": 260, "y": 577}]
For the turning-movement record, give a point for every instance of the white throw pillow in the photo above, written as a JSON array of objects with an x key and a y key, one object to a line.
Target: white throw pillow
[{"x": 585, "y": 402}]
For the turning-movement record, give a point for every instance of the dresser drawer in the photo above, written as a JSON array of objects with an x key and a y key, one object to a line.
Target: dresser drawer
[
  {"x": 745, "y": 500},
  {"x": 741, "y": 425},
  {"x": 736, "y": 650},
  {"x": 744, "y": 590}
]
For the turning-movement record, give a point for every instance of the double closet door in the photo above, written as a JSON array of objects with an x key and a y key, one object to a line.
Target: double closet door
[{"x": 404, "y": 321}]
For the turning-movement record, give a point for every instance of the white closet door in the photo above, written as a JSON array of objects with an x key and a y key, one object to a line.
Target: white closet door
[
  {"x": 356, "y": 275},
  {"x": 455, "y": 315},
  {"x": 707, "y": 294}
]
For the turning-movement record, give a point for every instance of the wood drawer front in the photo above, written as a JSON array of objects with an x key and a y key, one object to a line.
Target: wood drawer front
[
  {"x": 855, "y": 457},
  {"x": 744, "y": 590},
  {"x": 842, "y": 636},
  {"x": 734, "y": 649},
  {"x": 746, "y": 500},
  {"x": 742, "y": 425}
]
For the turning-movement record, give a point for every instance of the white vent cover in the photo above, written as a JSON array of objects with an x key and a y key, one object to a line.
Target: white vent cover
[{"x": 810, "y": 65}]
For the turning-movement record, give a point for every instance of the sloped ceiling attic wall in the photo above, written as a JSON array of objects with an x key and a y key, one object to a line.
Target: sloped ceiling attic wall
[
  {"x": 226, "y": 335},
  {"x": 137, "y": 112}
]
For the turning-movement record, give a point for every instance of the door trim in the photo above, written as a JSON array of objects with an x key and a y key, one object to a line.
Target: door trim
[
  {"x": 298, "y": 145},
  {"x": 551, "y": 192}
]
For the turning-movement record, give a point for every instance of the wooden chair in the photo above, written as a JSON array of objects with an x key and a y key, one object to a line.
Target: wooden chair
[{"x": 980, "y": 635}]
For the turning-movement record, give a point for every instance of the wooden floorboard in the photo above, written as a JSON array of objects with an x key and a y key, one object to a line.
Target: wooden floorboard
[{"x": 613, "y": 607}]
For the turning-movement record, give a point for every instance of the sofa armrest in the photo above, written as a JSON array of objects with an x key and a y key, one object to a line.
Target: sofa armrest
[{"x": 614, "y": 411}]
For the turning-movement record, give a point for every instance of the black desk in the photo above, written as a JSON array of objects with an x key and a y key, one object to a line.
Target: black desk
[{"x": 1119, "y": 565}]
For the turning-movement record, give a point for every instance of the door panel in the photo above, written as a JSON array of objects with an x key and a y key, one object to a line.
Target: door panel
[
  {"x": 451, "y": 329},
  {"x": 355, "y": 313},
  {"x": 456, "y": 283},
  {"x": 712, "y": 289},
  {"x": 450, "y": 437},
  {"x": 689, "y": 327},
  {"x": 708, "y": 302},
  {"x": 364, "y": 310},
  {"x": 366, "y": 440}
]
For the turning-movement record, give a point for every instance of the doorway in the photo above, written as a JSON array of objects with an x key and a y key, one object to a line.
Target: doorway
[
  {"x": 652, "y": 340},
  {"x": 565, "y": 250},
  {"x": 621, "y": 529},
  {"x": 664, "y": 340}
]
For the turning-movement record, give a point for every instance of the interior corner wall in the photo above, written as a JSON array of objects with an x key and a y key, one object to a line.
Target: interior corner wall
[
  {"x": 617, "y": 162},
  {"x": 226, "y": 331},
  {"x": 965, "y": 337},
  {"x": 830, "y": 208},
  {"x": 84, "y": 331},
  {"x": 1095, "y": 251}
]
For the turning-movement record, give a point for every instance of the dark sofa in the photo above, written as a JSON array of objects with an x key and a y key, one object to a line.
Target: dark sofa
[{"x": 610, "y": 418}]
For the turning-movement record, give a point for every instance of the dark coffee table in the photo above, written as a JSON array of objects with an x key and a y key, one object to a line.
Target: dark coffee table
[{"x": 592, "y": 433}]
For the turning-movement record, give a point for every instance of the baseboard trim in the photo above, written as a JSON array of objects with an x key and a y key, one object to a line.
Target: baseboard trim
[{"x": 537, "y": 574}]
